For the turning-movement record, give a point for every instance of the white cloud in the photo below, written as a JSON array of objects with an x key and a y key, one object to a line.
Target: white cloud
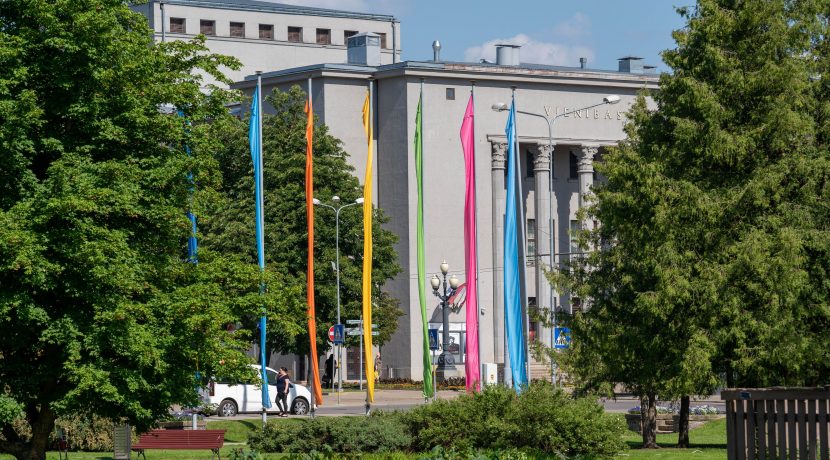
[
  {"x": 576, "y": 27},
  {"x": 532, "y": 51}
]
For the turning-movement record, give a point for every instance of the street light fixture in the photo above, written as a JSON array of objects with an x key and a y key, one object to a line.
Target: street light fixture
[
  {"x": 611, "y": 99},
  {"x": 445, "y": 360},
  {"x": 337, "y": 208}
]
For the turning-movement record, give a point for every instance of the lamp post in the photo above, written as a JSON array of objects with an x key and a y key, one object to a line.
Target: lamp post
[
  {"x": 445, "y": 360},
  {"x": 337, "y": 208},
  {"x": 551, "y": 120}
]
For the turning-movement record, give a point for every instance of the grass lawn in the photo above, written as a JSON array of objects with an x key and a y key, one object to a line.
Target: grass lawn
[{"x": 708, "y": 443}]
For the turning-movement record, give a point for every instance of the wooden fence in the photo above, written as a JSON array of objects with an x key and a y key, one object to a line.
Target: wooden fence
[{"x": 777, "y": 423}]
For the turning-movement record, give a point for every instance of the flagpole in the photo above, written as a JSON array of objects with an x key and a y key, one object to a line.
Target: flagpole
[
  {"x": 312, "y": 334},
  {"x": 522, "y": 234},
  {"x": 260, "y": 223},
  {"x": 475, "y": 197},
  {"x": 368, "y": 324}
]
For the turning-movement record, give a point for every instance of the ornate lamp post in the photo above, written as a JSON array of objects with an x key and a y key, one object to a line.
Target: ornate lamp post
[{"x": 445, "y": 360}]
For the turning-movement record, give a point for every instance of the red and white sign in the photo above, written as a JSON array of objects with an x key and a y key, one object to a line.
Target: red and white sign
[{"x": 331, "y": 334}]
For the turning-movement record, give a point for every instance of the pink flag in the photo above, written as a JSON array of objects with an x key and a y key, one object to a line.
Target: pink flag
[{"x": 470, "y": 247}]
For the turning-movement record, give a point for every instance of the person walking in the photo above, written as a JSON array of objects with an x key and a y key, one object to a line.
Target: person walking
[{"x": 283, "y": 384}]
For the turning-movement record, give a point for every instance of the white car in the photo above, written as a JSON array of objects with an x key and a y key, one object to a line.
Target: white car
[{"x": 232, "y": 399}]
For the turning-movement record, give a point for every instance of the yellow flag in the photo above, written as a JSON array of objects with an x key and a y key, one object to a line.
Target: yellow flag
[{"x": 367, "y": 256}]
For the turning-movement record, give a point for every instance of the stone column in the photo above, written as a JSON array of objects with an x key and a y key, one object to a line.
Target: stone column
[
  {"x": 541, "y": 193},
  {"x": 497, "y": 168},
  {"x": 586, "y": 176}
]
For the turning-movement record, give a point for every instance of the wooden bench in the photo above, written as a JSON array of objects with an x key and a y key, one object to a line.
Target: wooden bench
[{"x": 181, "y": 439}]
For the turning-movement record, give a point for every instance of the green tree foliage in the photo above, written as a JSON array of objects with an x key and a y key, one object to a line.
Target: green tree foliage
[
  {"x": 284, "y": 147},
  {"x": 100, "y": 313},
  {"x": 714, "y": 229}
]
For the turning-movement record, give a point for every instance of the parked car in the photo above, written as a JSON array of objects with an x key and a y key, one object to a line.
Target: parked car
[{"x": 234, "y": 398}]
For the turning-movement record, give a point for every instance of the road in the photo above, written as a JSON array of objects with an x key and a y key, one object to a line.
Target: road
[{"x": 352, "y": 402}]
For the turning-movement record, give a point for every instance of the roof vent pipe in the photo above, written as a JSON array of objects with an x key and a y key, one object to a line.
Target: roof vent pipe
[
  {"x": 436, "y": 51},
  {"x": 582, "y": 62},
  {"x": 507, "y": 55}
]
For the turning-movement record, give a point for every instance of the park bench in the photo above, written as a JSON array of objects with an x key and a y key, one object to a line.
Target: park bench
[{"x": 181, "y": 439}]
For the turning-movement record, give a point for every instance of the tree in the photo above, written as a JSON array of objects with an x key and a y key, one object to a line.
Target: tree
[
  {"x": 285, "y": 218},
  {"x": 714, "y": 237},
  {"x": 100, "y": 312}
]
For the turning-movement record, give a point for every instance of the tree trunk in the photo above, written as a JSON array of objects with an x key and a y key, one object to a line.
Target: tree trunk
[
  {"x": 648, "y": 414},
  {"x": 683, "y": 424},
  {"x": 42, "y": 422}
]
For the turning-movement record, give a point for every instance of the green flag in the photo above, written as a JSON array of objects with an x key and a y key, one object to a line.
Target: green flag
[{"x": 419, "y": 179}]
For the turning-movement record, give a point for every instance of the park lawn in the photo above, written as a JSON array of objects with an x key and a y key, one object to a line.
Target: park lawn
[{"x": 707, "y": 442}]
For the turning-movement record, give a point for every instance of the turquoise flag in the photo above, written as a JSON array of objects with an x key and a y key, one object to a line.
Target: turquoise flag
[
  {"x": 255, "y": 140},
  {"x": 512, "y": 280}
]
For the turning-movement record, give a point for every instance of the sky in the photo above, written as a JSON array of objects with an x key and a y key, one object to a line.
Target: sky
[{"x": 556, "y": 32}]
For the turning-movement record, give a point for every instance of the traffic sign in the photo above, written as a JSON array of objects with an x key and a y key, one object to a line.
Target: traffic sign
[
  {"x": 561, "y": 337},
  {"x": 331, "y": 334},
  {"x": 359, "y": 321},
  {"x": 433, "y": 339},
  {"x": 339, "y": 334},
  {"x": 357, "y": 331}
]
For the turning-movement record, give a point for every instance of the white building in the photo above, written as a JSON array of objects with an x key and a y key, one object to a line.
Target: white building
[
  {"x": 269, "y": 36},
  {"x": 579, "y": 138}
]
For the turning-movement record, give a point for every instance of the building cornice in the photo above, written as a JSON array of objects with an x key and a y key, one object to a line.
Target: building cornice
[{"x": 266, "y": 7}]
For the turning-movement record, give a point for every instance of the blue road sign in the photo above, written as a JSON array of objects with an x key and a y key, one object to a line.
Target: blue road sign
[
  {"x": 561, "y": 337},
  {"x": 339, "y": 334},
  {"x": 433, "y": 339}
]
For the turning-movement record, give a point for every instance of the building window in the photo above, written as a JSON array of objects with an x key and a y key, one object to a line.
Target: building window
[
  {"x": 177, "y": 26},
  {"x": 207, "y": 27},
  {"x": 295, "y": 34},
  {"x": 347, "y": 34},
  {"x": 574, "y": 166},
  {"x": 533, "y": 315},
  {"x": 531, "y": 241},
  {"x": 238, "y": 29},
  {"x": 450, "y": 94},
  {"x": 572, "y": 235},
  {"x": 531, "y": 158},
  {"x": 266, "y": 31},
  {"x": 382, "y": 40},
  {"x": 324, "y": 36}
]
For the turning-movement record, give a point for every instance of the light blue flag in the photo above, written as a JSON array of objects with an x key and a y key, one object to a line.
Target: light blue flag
[
  {"x": 192, "y": 243},
  {"x": 512, "y": 287},
  {"x": 254, "y": 137}
]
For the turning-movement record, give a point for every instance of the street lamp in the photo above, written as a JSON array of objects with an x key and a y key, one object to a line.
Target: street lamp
[
  {"x": 445, "y": 360},
  {"x": 501, "y": 107},
  {"x": 337, "y": 208}
]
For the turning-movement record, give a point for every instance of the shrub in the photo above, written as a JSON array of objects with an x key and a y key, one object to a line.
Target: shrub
[
  {"x": 541, "y": 419},
  {"x": 84, "y": 432},
  {"x": 347, "y": 435}
]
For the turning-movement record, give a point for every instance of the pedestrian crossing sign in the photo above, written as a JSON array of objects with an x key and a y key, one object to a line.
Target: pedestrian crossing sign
[{"x": 561, "y": 337}]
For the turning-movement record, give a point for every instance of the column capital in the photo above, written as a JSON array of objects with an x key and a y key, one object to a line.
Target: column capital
[
  {"x": 499, "y": 155},
  {"x": 541, "y": 161},
  {"x": 586, "y": 157}
]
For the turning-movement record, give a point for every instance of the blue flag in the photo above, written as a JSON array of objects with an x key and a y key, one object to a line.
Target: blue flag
[
  {"x": 512, "y": 280},
  {"x": 255, "y": 140}
]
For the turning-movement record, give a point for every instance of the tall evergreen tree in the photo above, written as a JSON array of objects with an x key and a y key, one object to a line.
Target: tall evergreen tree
[{"x": 714, "y": 216}]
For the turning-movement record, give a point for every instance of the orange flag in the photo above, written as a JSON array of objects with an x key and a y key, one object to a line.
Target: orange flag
[{"x": 309, "y": 201}]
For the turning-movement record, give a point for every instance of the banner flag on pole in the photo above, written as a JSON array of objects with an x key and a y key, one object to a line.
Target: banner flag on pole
[
  {"x": 369, "y": 362},
  {"x": 419, "y": 180},
  {"x": 309, "y": 202},
  {"x": 471, "y": 365},
  {"x": 255, "y": 141},
  {"x": 512, "y": 285}
]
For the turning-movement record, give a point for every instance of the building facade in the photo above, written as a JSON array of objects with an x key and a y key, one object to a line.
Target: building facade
[
  {"x": 269, "y": 36},
  {"x": 557, "y": 176}
]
